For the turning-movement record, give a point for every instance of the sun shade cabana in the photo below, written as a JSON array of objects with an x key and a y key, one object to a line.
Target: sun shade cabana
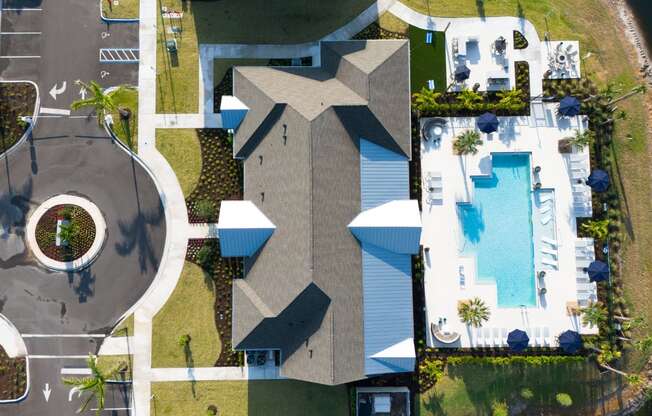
[
  {"x": 570, "y": 341},
  {"x": 569, "y": 106},
  {"x": 598, "y": 180},
  {"x": 462, "y": 73},
  {"x": 598, "y": 271},
  {"x": 517, "y": 340},
  {"x": 488, "y": 123}
]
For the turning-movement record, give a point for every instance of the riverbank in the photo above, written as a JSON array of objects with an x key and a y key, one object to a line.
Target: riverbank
[{"x": 634, "y": 35}]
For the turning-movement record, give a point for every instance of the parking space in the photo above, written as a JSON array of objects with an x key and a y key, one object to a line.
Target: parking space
[
  {"x": 21, "y": 45},
  {"x": 20, "y": 30},
  {"x": 21, "y": 20}
]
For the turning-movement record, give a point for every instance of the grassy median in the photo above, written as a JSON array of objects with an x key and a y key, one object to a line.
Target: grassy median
[
  {"x": 181, "y": 149},
  {"x": 120, "y": 9}
]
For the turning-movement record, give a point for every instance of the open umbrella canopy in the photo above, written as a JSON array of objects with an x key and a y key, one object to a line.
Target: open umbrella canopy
[
  {"x": 570, "y": 341},
  {"x": 569, "y": 106},
  {"x": 517, "y": 340},
  {"x": 500, "y": 45},
  {"x": 462, "y": 73},
  {"x": 598, "y": 271},
  {"x": 488, "y": 123},
  {"x": 598, "y": 180}
]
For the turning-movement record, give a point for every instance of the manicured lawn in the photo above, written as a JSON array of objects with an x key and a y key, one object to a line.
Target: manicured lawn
[
  {"x": 125, "y": 9},
  {"x": 470, "y": 389},
  {"x": 254, "y": 398},
  {"x": 189, "y": 310},
  {"x": 127, "y": 98},
  {"x": 427, "y": 61},
  {"x": 236, "y": 21},
  {"x": 110, "y": 362},
  {"x": 125, "y": 329},
  {"x": 181, "y": 149}
]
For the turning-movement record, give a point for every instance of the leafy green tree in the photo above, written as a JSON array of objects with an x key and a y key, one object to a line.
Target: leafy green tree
[
  {"x": 469, "y": 99},
  {"x": 467, "y": 142},
  {"x": 509, "y": 99},
  {"x": 581, "y": 139},
  {"x": 594, "y": 315},
  {"x": 598, "y": 229},
  {"x": 426, "y": 99},
  {"x": 101, "y": 102},
  {"x": 473, "y": 312},
  {"x": 93, "y": 385},
  {"x": 69, "y": 231}
]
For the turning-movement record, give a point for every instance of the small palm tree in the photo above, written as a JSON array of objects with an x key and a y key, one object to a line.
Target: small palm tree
[
  {"x": 426, "y": 99},
  {"x": 639, "y": 89},
  {"x": 580, "y": 140},
  {"x": 473, "y": 312},
  {"x": 594, "y": 315},
  {"x": 510, "y": 98},
  {"x": 467, "y": 142},
  {"x": 598, "y": 229},
  {"x": 100, "y": 101},
  {"x": 69, "y": 231},
  {"x": 469, "y": 99},
  {"x": 94, "y": 384}
]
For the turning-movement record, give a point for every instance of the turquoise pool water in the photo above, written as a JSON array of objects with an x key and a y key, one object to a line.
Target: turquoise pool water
[{"x": 497, "y": 229}]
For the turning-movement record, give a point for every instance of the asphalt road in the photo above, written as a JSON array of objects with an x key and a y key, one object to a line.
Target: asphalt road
[{"x": 53, "y": 43}]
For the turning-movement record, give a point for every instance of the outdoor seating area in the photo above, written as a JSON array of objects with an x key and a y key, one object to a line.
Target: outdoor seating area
[
  {"x": 579, "y": 167},
  {"x": 480, "y": 62},
  {"x": 485, "y": 337},
  {"x": 584, "y": 256},
  {"x": 562, "y": 59},
  {"x": 442, "y": 333},
  {"x": 434, "y": 187}
]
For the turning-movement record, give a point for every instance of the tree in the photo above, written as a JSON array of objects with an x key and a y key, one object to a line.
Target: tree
[
  {"x": 473, "y": 312},
  {"x": 510, "y": 99},
  {"x": 580, "y": 140},
  {"x": 94, "y": 384},
  {"x": 469, "y": 99},
  {"x": 101, "y": 102},
  {"x": 426, "y": 99},
  {"x": 594, "y": 315},
  {"x": 69, "y": 231},
  {"x": 639, "y": 89},
  {"x": 598, "y": 229},
  {"x": 467, "y": 142}
]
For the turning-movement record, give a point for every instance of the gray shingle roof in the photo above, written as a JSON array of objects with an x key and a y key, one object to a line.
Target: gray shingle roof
[{"x": 300, "y": 142}]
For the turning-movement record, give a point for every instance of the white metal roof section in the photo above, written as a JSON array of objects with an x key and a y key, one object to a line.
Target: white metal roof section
[
  {"x": 400, "y": 355},
  {"x": 242, "y": 228},
  {"x": 394, "y": 226},
  {"x": 233, "y": 111}
]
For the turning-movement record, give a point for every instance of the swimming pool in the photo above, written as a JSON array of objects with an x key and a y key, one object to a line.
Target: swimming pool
[{"x": 497, "y": 229}]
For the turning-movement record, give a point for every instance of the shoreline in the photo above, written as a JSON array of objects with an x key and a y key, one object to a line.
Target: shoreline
[{"x": 633, "y": 33}]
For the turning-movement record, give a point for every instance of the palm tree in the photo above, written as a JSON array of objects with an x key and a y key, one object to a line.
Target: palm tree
[
  {"x": 426, "y": 99},
  {"x": 580, "y": 140},
  {"x": 94, "y": 384},
  {"x": 594, "y": 315},
  {"x": 467, "y": 142},
  {"x": 100, "y": 101},
  {"x": 598, "y": 229},
  {"x": 510, "y": 98},
  {"x": 469, "y": 99},
  {"x": 639, "y": 89},
  {"x": 473, "y": 312},
  {"x": 68, "y": 231}
]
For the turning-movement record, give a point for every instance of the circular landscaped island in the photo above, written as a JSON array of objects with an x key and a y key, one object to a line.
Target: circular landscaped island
[{"x": 66, "y": 232}]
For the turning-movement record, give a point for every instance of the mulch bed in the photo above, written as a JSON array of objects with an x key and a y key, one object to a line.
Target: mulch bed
[
  {"x": 221, "y": 175},
  {"x": 16, "y": 99},
  {"x": 222, "y": 271},
  {"x": 13, "y": 376},
  {"x": 46, "y": 230}
]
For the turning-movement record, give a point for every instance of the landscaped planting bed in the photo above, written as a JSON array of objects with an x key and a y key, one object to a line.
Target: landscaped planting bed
[
  {"x": 16, "y": 100},
  {"x": 221, "y": 177},
  {"x": 83, "y": 233},
  {"x": 13, "y": 376},
  {"x": 222, "y": 271}
]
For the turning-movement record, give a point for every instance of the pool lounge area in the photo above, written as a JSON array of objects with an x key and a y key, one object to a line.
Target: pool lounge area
[{"x": 501, "y": 225}]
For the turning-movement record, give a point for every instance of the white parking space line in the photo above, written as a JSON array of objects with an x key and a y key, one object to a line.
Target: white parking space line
[
  {"x": 20, "y": 56},
  {"x": 63, "y": 335},
  {"x": 20, "y": 9},
  {"x": 56, "y": 357},
  {"x": 58, "y": 111},
  {"x": 79, "y": 371},
  {"x": 20, "y": 33}
]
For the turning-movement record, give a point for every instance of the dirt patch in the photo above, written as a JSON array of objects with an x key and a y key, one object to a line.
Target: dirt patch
[
  {"x": 82, "y": 236},
  {"x": 16, "y": 100},
  {"x": 13, "y": 376}
]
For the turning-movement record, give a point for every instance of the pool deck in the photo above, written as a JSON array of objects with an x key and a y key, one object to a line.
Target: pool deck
[{"x": 538, "y": 135}]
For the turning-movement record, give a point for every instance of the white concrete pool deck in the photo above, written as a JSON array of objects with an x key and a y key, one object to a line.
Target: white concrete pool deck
[{"x": 538, "y": 135}]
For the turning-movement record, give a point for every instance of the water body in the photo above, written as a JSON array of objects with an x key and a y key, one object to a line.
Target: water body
[{"x": 642, "y": 9}]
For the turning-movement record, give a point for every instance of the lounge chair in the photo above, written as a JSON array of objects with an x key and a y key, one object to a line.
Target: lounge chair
[
  {"x": 462, "y": 277},
  {"x": 547, "y": 250},
  {"x": 428, "y": 37},
  {"x": 538, "y": 339},
  {"x": 549, "y": 241},
  {"x": 546, "y": 219},
  {"x": 498, "y": 341},
  {"x": 546, "y": 337},
  {"x": 544, "y": 209},
  {"x": 504, "y": 334},
  {"x": 488, "y": 341},
  {"x": 431, "y": 84},
  {"x": 479, "y": 340},
  {"x": 549, "y": 262}
]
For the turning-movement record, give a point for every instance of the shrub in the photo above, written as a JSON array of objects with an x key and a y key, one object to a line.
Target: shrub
[
  {"x": 499, "y": 408},
  {"x": 533, "y": 360},
  {"x": 526, "y": 393},
  {"x": 564, "y": 399},
  {"x": 520, "y": 42},
  {"x": 204, "y": 256},
  {"x": 184, "y": 340},
  {"x": 205, "y": 209},
  {"x": 432, "y": 369}
]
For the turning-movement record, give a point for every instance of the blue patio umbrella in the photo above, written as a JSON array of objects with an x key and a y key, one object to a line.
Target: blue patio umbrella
[
  {"x": 487, "y": 123},
  {"x": 570, "y": 341},
  {"x": 598, "y": 271},
  {"x": 598, "y": 180},
  {"x": 569, "y": 106},
  {"x": 462, "y": 73},
  {"x": 517, "y": 340}
]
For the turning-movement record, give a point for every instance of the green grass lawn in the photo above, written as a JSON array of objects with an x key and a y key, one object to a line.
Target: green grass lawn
[
  {"x": 254, "y": 398},
  {"x": 470, "y": 389},
  {"x": 189, "y": 310},
  {"x": 125, "y": 9},
  {"x": 110, "y": 362},
  {"x": 427, "y": 61},
  {"x": 181, "y": 149},
  {"x": 125, "y": 329},
  {"x": 127, "y": 98}
]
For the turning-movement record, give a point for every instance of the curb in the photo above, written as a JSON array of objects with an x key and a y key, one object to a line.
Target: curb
[
  {"x": 32, "y": 124},
  {"x": 117, "y": 19},
  {"x": 27, "y": 376}
]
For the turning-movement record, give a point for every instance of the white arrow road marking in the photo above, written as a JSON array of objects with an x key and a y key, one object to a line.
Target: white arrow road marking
[
  {"x": 82, "y": 93},
  {"x": 56, "y": 91},
  {"x": 46, "y": 392},
  {"x": 72, "y": 392}
]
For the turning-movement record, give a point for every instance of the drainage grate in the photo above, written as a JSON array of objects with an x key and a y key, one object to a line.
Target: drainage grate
[{"x": 117, "y": 55}]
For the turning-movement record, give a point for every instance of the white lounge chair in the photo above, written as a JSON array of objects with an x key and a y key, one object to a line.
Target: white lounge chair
[
  {"x": 549, "y": 241},
  {"x": 431, "y": 84},
  {"x": 544, "y": 209},
  {"x": 546, "y": 337},
  {"x": 549, "y": 262},
  {"x": 548, "y": 251},
  {"x": 488, "y": 341},
  {"x": 545, "y": 198},
  {"x": 479, "y": 339},
  {"x": 537, "y": 337},
  {"x": 546, "y": 219},
  {"x": 462, "y": 277},
  {"x": 498, "y": 341},
  {"x": 504, "y": 334}
]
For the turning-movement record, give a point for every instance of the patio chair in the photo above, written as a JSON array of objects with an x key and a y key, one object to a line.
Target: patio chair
[
  {"x": 545, "y": 220},
  {"x": 479, "y": 340},
  {"x": 549, "y": 241},
  {"x": 462, "y": 277},
  {"x": 488, "y": 341},
  {"x": 538, "y": 340},
  {"x": 544, "y": 209},
  {"x": 498, "y": 341},
  {"x": 546, "y": 337},
  {"x": 549, "y": 262},
  {"x": 547, "y": 250}
]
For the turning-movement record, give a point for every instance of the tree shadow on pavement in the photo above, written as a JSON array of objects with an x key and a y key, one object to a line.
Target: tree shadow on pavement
[{"x": 82, "y": 283}]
